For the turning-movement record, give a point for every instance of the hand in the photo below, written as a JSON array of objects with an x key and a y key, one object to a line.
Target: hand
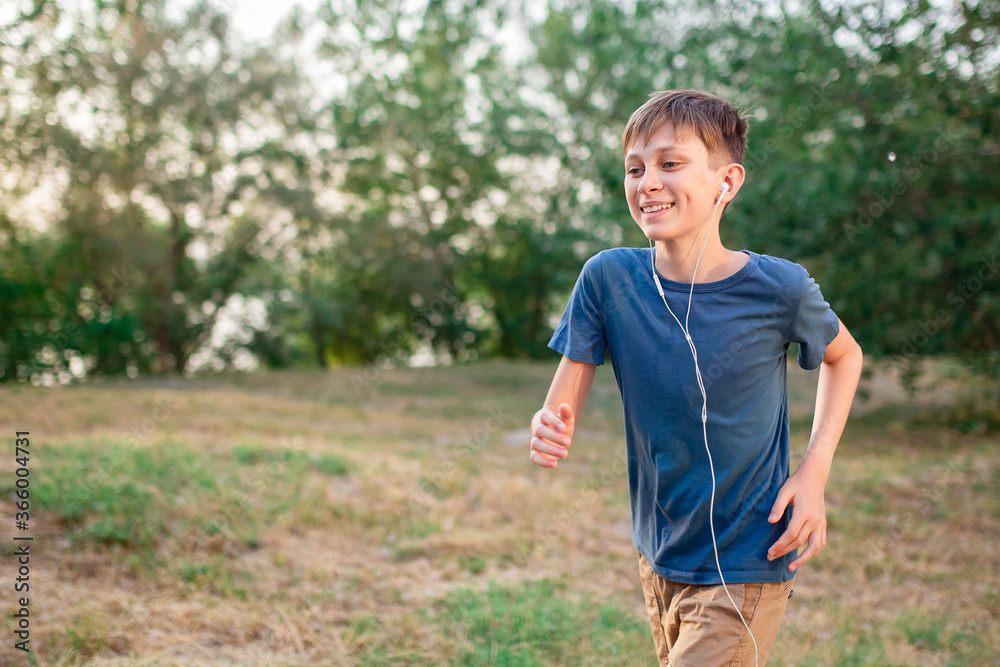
[
  {"x": 551, "y": 435},
  {"x": 804, "y": 491}
]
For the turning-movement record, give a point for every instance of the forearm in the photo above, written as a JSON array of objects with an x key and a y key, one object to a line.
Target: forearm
[
  {"x": 571, "y": 384},
  {"x": 553, "y": 426},
  {"x": 838, "y": 382}
]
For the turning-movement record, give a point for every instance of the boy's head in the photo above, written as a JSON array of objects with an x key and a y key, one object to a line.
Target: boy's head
[
  {"x": 680, "y": 147},
  {"x": 716, "y": 122}
]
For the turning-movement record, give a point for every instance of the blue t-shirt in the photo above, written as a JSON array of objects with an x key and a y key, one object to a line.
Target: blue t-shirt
[{"x": 742, "y": 326}]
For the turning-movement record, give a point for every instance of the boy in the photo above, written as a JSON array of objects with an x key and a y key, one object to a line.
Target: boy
[{"x": 716, "y": 519}]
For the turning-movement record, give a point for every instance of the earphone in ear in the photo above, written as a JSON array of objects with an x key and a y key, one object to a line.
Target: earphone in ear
[{"x": 725, "y": 189}]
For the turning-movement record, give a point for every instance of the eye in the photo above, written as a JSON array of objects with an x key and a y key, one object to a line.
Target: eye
[
  {"x": 669, "y": 164},
  {"x": 633, "y": 171}
]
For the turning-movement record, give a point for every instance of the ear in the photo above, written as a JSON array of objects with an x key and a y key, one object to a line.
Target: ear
[{"x": 733, "y": 174}]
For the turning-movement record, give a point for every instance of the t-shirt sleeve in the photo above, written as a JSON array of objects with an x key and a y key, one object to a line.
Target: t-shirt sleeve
[
  {"x": 580, "y": 334},
  {"x": 814, "y": 326}
]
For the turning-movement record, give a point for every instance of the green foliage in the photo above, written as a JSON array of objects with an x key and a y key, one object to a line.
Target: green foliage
[
  {"x": 522, "y": 265},
  {"x": 28, "y": 308},
  {"x": 436, "y": 191},
  {"x": 167, "y": 189},
  {"x": 873, "y": 145},
  {"x": 873, "y": 162},
  {"x": 424, "y": 131}
]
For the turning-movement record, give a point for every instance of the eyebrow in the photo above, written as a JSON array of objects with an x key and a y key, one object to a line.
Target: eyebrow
[{"x": 666, "y": 149}]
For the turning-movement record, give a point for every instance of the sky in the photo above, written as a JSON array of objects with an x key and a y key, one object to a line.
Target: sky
[{"x": 256, "y": 19}]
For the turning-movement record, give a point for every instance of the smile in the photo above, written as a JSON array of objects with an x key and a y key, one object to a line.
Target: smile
[{"x": 655, "y": 208}]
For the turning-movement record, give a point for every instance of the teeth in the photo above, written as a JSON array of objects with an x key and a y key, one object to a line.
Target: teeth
[{"x": 654, "y": 209}]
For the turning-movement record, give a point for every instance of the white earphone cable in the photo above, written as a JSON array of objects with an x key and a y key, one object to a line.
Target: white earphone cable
[{"x": 704, "y": 407}]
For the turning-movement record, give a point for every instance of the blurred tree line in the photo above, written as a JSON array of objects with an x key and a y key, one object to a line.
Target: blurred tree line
[{"x": 387, "y": 178}]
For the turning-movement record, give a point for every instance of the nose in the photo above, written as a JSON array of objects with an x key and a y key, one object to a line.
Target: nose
[{"x": 650, "y": 182}]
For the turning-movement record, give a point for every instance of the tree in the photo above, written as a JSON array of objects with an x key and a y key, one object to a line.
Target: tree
[
  {"x": 425, "y": 129},
  {"x": 170, "y": 159},
  {"x": 873, "y": 146}
]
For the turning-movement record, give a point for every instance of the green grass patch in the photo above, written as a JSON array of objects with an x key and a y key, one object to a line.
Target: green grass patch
[
  {"x": 216, "y": 575},
  {"x": 473, "y": 564},
  {"x": 81, "y": 640},
  {"x": 107, "y": 494},
  {"x": 420, "y": 529},
  {"x": 856, "y": 644},
  {"x": 921, "y": 630},
  {"x": 110, "y": 494},
  {"x": 442, "y": 485},
  {"x": 942, "y": 636},
  {"x": 327, "y": 464},
  {"x": 541, "y": 623}
]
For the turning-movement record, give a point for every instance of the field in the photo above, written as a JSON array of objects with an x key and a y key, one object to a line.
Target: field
[{"x": 391, "y": 517}]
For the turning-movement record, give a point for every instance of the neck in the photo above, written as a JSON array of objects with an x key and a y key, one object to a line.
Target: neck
[{"x": 677, "y": 263}]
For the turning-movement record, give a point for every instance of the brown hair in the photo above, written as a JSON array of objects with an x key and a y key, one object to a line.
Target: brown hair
[{"x": 717, "y": 123}]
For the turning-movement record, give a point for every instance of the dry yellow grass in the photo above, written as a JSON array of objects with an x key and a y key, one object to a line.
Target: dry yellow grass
[{"x": 440, "y": 500}]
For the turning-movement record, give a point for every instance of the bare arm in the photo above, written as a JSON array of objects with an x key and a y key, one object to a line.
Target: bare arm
[
  {"x": 553, "y": 426},
  {"x": 838, "y": 380}
]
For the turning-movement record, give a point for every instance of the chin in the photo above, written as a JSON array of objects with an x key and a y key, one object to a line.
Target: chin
[{"x": 656, "y": 232}]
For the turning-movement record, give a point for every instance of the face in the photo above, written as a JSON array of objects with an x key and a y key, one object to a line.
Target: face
[{"x": 670, "y": 188}]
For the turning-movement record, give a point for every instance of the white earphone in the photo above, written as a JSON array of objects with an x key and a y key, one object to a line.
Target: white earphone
[
  {"x": 725, "y": 189},
  {"x": 704, "y": 398}
]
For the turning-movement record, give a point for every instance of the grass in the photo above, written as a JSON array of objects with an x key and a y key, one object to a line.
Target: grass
[
  {"x": 541, "y": 623},
  {"x": 393, "y": 518},
  {"x": 145, "y": 500}
]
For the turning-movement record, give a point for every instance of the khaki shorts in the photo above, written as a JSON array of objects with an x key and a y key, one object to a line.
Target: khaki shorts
[{"x": 697, "y": 626}]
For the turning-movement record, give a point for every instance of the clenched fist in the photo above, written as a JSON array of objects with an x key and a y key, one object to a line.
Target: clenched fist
[{"x": 551, "y": 435}]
